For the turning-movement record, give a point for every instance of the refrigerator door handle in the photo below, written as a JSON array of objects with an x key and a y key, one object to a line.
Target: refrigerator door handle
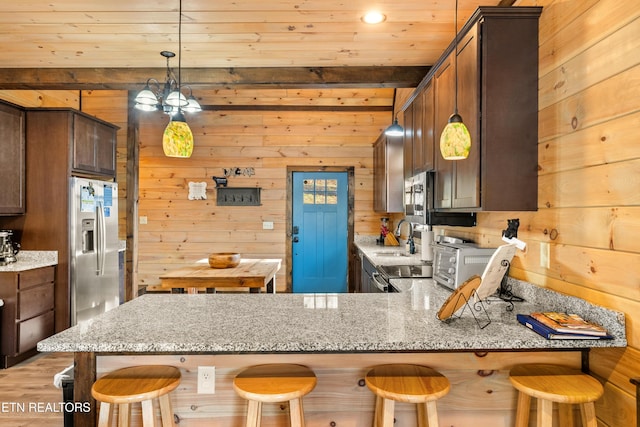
[{"x": 102, "y": 239}]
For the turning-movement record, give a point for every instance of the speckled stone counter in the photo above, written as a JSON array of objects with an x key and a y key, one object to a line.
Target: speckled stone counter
[
  {"x": 387, "y": 255},
  {"x": 323, "y": 331},
  {"x": 28, "y": 260},
  {"x": 243, "y": 323}
]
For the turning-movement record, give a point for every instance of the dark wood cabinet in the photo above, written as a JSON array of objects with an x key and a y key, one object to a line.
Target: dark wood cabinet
[
  {"x": 418, "y": 134},
  {"x": 94, "y": 146},
  {"x": 497, "y": 66},
  {"x": 61, "y": 143},
  {"x": 388, "y": 180},
  {"x": 12, "y": 161},
  {"x": 424, "y": 142},
  {"x": 28, "y": 312},
  {"x": 458, "y": 182},
  {"x": 408, "y": 141}
]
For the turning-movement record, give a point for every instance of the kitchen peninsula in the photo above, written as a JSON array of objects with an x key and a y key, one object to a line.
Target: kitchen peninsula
[{"x": 337, "y": 335}]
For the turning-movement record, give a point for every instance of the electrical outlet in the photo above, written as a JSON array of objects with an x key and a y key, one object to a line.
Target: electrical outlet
[
  {"x": 143, "y": 220},
  {"x": 206, "y": 379},
  {"x": 544, "y": 255},
  {"x": 267, "y": 225}
]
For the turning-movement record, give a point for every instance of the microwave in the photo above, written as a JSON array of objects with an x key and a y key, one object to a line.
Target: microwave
[{"x": 419, "y": 204}]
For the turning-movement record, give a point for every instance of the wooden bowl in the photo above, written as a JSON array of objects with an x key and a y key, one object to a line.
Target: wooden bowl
[{"x": 224, "y": 259}]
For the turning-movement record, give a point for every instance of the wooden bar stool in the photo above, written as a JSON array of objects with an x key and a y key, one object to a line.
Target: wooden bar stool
[
  {"x": 125, "y": 386},
  {"x": 552, "y": 383},
  {"x": 275, "y": 383},
  {"x": 406, "y": 383}
]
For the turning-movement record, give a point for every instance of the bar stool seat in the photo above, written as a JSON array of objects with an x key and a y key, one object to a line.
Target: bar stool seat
[
  {"x": 406, "y": 383},
  {"x": 134, "y": 384},
  {"x": 272, "y": 383},
  {"x": 559, "y": 384}
]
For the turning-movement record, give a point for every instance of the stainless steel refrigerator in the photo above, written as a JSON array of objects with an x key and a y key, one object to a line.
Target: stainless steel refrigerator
[{"x": 94, "y": 272}]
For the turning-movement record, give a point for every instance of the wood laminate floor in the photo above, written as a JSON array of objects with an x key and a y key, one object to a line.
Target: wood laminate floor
[{"x": 28, "y": 397}]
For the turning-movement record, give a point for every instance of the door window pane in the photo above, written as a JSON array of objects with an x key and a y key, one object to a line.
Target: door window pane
[{"x": 320, "y": 191}]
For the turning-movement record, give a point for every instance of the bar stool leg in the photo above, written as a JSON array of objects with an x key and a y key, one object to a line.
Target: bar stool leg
[
  {"x": 377, "y": 414},
  {"x": 545, "y": 413},
  {"x": 422, "y": 415},
  {"x": 432, "y": 413},
  {"x": 254, "y": 413},
  {"x": 147, "y": 413},
  {"x": 296, "y": 413},
  {"x": 166, "y": 411},
  {"x": 588, "y": 412},
  {"x": 522, "y": 410},
  {"x": 104, "y": 419},
  {"x": 124, "y": 410},
  {"x": 386, "y": 411}
]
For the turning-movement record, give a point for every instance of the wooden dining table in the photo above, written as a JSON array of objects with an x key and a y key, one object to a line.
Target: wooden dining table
[{"x": 253, "y": 274}]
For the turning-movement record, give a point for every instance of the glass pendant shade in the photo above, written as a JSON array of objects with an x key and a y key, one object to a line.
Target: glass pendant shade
[
  {"x": 455, "y": 141},
  {"x": 176, "y": 99},
  {"x": 193, "y": 106},
  {"x": 146, "y": 97},
  {"x": 395, "y": 129},
  {"x": 177, "y": 140}
]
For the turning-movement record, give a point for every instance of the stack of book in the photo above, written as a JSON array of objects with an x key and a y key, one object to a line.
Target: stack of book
[{"x": 554, "y": 325}]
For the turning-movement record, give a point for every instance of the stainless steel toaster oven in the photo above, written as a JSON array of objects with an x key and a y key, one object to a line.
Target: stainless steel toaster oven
[{"x": 454, "y": 263}]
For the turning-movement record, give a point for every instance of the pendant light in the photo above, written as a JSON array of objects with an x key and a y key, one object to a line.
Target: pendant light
[
  {"x": 455, "y": 141},
  {"x": 394, "y": 129},
  {"x": 177, "y": 140}
]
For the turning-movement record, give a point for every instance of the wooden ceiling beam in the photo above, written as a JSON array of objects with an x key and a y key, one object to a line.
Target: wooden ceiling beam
[{"x": 212, "y": 78}]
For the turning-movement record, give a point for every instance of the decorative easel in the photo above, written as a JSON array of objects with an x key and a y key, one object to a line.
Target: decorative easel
[{"x": 476, "y": 289}]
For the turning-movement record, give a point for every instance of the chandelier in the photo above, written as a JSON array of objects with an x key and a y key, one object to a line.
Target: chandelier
[{"x": 177, "y": 140}]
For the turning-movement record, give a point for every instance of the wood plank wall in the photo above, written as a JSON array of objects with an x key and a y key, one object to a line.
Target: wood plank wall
[
  {"x": 179, "y": 230},
  {"x": 589, "y": 168},
  {"x": 589, "y": 179}
]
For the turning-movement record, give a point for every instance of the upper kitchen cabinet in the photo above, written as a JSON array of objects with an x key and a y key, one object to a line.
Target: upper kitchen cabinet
[
  {"x": 90, "y": 142},
  {"x": 388, "y": 182},
  {"x": 498, "y": 101},
  {"x": 418, "y": 135},
  {"x": 408, "y": 140},
  {"x": 12, "y": 162},
  {"x": 457, "y": 183},
  {"x": 423, "y": 143},
  {"x": 94, "y": 146}
]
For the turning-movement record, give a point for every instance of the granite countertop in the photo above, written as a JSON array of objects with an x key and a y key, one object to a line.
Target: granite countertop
[
  {"x": 386, "y": 255},
  {"x": 333, "y": 323},
  {"x": 28, "y": 260}
]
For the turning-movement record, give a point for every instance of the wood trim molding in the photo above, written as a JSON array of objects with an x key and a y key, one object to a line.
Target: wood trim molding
[{"x": 264, "y": 77}]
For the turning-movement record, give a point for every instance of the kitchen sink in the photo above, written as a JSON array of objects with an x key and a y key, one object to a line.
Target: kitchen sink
[{"x": 391, "y": 254}]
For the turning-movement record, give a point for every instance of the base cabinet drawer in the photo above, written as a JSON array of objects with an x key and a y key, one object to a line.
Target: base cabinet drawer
[
  {"x": 33, "y": 330},
  {"x": 36, "y": 277},
  {"x": 35, "y": 301},
  {"x": 28, "y": 312}
]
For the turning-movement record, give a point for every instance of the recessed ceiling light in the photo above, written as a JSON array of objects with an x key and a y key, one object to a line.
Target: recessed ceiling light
[{"x": 373, "y": 17}]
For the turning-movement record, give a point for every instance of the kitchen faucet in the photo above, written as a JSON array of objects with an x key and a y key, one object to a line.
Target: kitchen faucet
[{"x": 412, "y": 246}]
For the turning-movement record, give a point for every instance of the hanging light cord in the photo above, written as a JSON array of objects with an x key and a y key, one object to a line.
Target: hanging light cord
[
  {"x": 455, "y": 40},
  {"x": 180, "y": 46}
]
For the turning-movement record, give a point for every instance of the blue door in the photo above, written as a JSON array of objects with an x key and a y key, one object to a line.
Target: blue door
[{"x": 319, "y": 235}]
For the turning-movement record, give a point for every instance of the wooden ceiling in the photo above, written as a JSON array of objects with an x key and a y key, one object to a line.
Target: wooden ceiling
[{"x": 116, "y": 44}]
